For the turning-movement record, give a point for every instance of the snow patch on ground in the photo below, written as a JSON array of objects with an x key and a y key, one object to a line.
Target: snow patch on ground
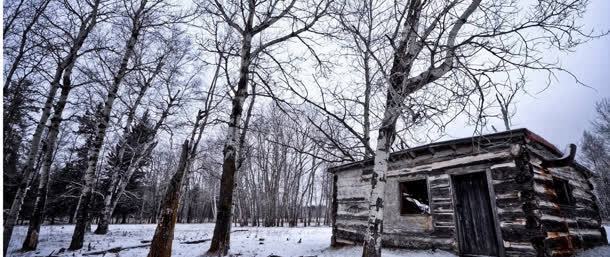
[{"x": 255, "y": 242}]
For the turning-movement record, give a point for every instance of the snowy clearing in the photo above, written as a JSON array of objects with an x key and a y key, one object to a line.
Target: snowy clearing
[{"x": 256, "y": 241}]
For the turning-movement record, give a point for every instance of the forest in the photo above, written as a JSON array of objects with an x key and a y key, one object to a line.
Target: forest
[{"x": 230, "y": 112}]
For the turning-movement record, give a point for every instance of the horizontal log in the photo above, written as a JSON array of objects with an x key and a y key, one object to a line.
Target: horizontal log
[
  {"x": 411, "y": 241},
  {"x": 441, "y": 200},
  {"x": 588, "y": 223},
  {"x": 444, "y": 192},
  {"x": 444, "y": 232},
  {"x": 422, "y": 241},
  {"x": 353, "y": 226},
  {"x": 452, "y": 161},
  {"x": 438, "y": 181},
  {"x": 444, "y": 224},
  {"x": 352, "y": 217},
  {"x": 351, "y": 199},
  {"x": 506, "y": 186},
  {"x": 439, "y": 186},
  {"x": 508, "y": 202},
  {"x": 554, "y": 226},
  {"x": 518, "y": 232},
  {"x": 590, "y": 241},
  {"x": 508, "y": 171},
  {"x": 519, "y": 249},
  {"x": 559, "y": 241},
  {"x": 511, "y": 216},
  {"x": 442, "y": 209},
  {"x": 442, "y": 217},
  {"x": 509, "y": 253},
  {"x": 348, "y": 235}
]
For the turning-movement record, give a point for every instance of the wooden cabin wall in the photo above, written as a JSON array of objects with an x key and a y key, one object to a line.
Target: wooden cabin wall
[
  {"x": 438, "y": 229},
  {"x": 515, "y": 201},
  {"x": 567, "y": 228},
  {"x": 528, "y": 216},
  {"x": 352, "y": 207}
]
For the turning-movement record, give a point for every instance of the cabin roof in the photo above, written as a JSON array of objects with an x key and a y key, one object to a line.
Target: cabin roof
[{"x": 505, "y": 137}]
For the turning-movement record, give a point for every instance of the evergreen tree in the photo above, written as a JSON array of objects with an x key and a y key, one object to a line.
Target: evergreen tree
[
  {"x": 128, "y": 150},
  {"x": 16, "y": 106},
  {"x": 63, "y": 193}
]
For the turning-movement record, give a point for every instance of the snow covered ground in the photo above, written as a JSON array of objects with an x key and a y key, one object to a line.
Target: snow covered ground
[{"x": 256, "y": 241}]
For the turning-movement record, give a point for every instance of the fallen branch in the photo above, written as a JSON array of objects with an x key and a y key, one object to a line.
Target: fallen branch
[
  {"x": 196, "y": 241},
  {"x": 116, "y": 249},
  {"x": 208, "y": 239}
]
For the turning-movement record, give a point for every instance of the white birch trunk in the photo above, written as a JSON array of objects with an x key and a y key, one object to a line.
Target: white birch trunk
[
  {"x": 28, "y": 169},
  {"x": 37, "y": 217},
  {"x": 102, "y": 124}
]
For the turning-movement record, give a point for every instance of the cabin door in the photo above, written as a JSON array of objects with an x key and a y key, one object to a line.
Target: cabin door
[{"x": 475, "y": 221}]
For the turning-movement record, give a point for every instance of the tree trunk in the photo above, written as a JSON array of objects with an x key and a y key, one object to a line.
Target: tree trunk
[
  {"x": 221, "y": 239},
  {"x": 28, "y": 169},
  {"x": 102, "y": 124},
  {"x": 372, "y": 240},
  {"x": 37, "y": 217},
  {"x": 104, "y": 222},
  {"x": 118, "y": 183},
  {"x": 161, "y": 245}
]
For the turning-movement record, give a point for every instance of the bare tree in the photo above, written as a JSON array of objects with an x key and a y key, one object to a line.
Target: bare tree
[
  {"x": 506, "y": 95},
  {"x": 38, "y": 9},
  {"x": 596, "y": 154},
  {"x": 140, "y": 15},
  {"x": 122, "y": 174},
  {"x": 88, "y": 18},
  {"x": 161, "y": 245},
  {"x": 258, "y": 17},
  {"x": 441, "y": 49}
]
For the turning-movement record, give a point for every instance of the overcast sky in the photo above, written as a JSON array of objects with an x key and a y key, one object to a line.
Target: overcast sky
[{"x": 565, "y": 109}]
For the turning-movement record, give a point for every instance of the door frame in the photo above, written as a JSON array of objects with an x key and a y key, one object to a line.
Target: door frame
[{"x": 492, "y": 203}]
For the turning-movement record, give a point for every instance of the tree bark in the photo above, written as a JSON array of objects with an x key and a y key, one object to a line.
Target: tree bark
[
  {"x": 400, "y": 86},
  {"x": 372, "y": 240},
  {"x": 102, "y": 124},
  {"x": 116, "y": 188},
  {"x": 119, "y": 183},
  {"x": 28, "y": 169},
  {"x": 221, "y": 238},
  {"x": 37, "y": 217}
]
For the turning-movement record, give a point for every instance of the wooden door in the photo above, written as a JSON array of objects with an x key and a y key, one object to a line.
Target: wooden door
[{"x": 475, "y": 221}]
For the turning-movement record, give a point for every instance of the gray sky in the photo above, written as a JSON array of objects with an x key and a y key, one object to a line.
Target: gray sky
[{"x": 565, "y": 109}]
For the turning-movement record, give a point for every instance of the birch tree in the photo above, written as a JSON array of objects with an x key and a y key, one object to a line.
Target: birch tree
[
  {"x": 139, "y": 16},
  {"x": 31, "y": 239},
  {"x": 24, "y": 45},
  {"x": 251, "y": 21},
  {"x": 87, "y": 15},
  {"x": 121, "y": 174},
  {"x": 161, "y": 245},
  {"x": 596, "y": 154},
  {"x": 459, "y": 46}
]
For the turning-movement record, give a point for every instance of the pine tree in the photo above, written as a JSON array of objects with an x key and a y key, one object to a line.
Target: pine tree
[
  {"x": 16, "y": 108},
  {"x": 130, "y": 153},
  {"x": 63, "y": 193}
]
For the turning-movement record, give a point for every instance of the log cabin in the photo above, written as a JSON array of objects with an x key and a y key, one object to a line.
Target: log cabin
[{"x": 505, "y": 194}]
